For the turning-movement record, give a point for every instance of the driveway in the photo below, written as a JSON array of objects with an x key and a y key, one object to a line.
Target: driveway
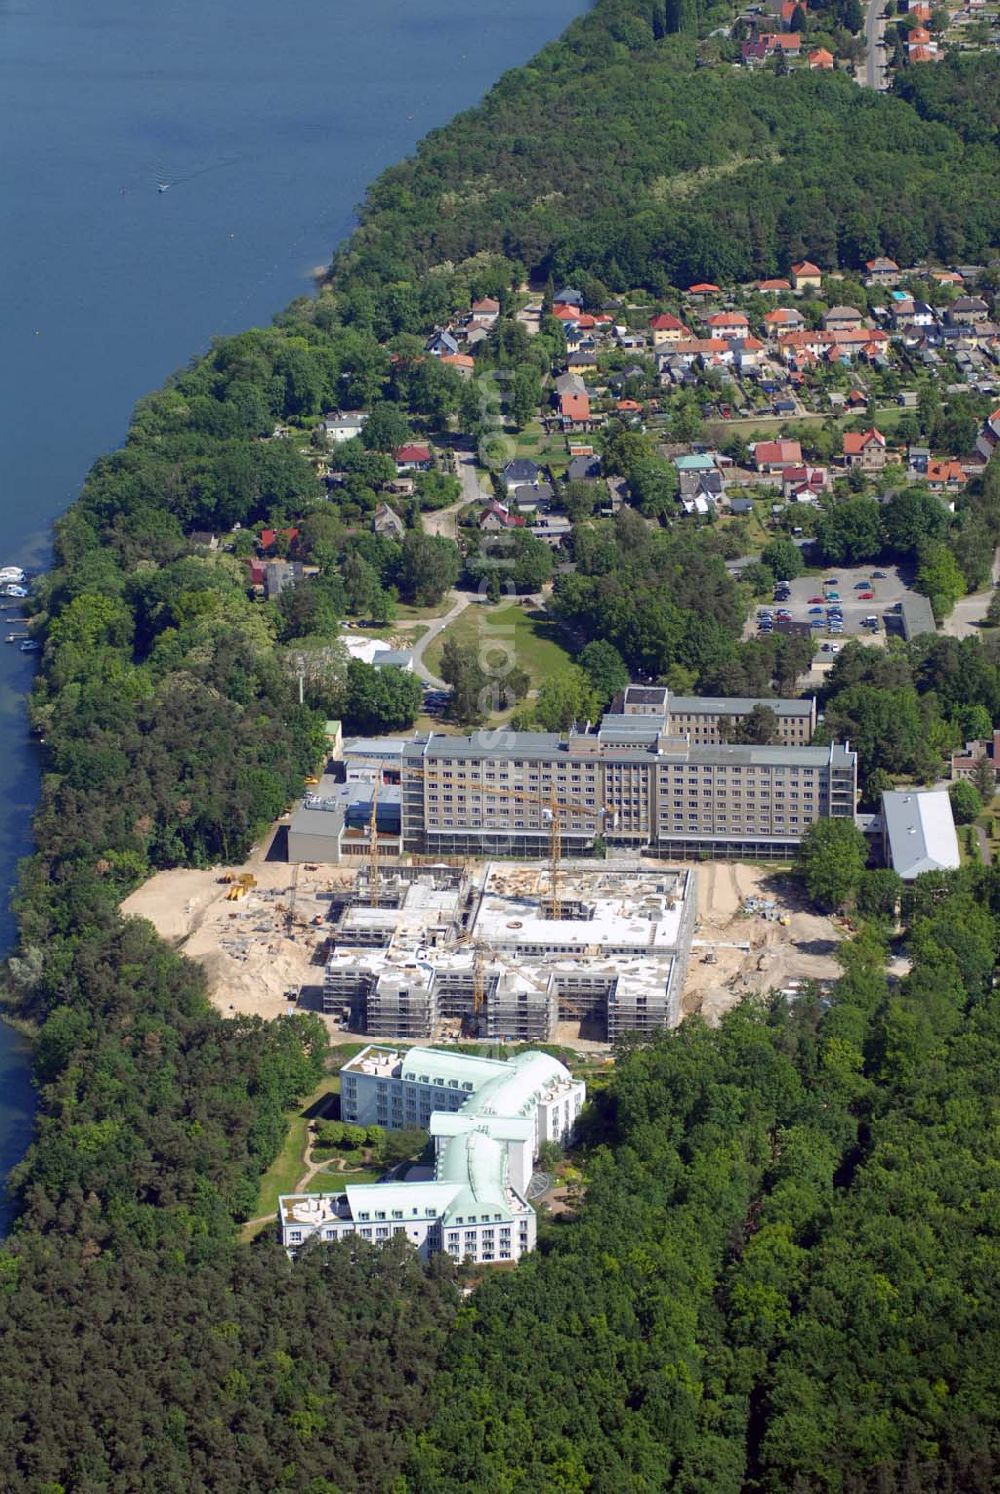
[
  {"x": 461, "y": 600},
  {"x": 968, "y": 613}
]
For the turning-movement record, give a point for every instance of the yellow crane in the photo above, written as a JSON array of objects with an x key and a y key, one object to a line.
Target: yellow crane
[
  {"x": 553, "y": 807},
  {"x": 373, "y": 871}
]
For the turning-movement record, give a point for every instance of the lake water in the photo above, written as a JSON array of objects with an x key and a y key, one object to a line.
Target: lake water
[{"x": 268, "y": 121}]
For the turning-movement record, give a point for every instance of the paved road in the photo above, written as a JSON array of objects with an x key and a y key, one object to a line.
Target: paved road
[
  {"x": 444, "y": 521},
  {"x": 460, "y": 602},
  {"x": 870, "y": 73},
  {"x": 964, "y": 620}
]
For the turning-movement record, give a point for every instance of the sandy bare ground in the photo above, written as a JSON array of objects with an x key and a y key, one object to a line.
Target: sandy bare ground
[
  {"x": 751, "y": 954},
  {"x": 253, "y": 952},
  {"x": 258, "y": 955}
]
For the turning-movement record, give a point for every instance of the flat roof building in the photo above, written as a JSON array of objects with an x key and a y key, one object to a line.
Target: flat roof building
[
  {"x": 629, "y": 781},
  {"x": 919, "y": 832},
  {"x": 489, "y": 954}
]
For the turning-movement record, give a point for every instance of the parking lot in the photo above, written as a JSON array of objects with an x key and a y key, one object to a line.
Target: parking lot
[{"x": 811, "y": 597}]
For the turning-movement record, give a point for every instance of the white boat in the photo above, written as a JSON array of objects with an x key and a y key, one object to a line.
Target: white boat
[
  {"x": 14, "y": 591},
  {"x": 163, "y": 187},
  {"x": 30, "y": 646},
  {"x": 11, "y": 573}
]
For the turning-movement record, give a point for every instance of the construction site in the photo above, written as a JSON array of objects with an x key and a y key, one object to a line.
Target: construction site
[
  {"x": 577, "y": 952},
  {"x": 487, "y": 951}
]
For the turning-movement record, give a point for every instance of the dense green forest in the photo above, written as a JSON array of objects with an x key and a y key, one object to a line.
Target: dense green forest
[
  {"x": 784, "y": 1273},
  {"x": 686, "y": 173}
]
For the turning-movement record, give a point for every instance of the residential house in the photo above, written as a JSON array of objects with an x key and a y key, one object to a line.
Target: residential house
[
  {"x": 774, "y": 456},
  {"x": 821, "y": 60},
  {"x": 521, "y": 470},
  {"x": 414, "y": 457},
  {"x": 668, "y": 328},
  {"x": 703, "y": 290},
  {"x": 440, "y": 342},
  {"x": 568, "y": 383},
  {"x": 946, "y": 476},
  {"x": 768, "y": 43},
  {"x": 864, "y": 450},
  {"x": 910, "y": 313},
  {"x": 741, "y": 507},
  {"x": 965, "y": 763},
  {"x": 484, "y": 312},
  {"x": 801, "y": 483},
  {"x": 918, "y": 459},
  {"x": 806, "y": 276},
  {"x": 569, "y": 296},
  {"x": 842, "y": 319},
  {"x": 533, "y": 500},
  {"x": 393, "y": 658},
  {"x": 747, "y": 353},
  {"x": 551, "y": 529},
  {"x": 204, "y": 539},
  {"x": 710, "y": 350},
  {"x": 700, "y": 492},
  {"x": 344, "y": 425},
  {"x": 584, "y": 360},
  {"x": 497, "y": 517},
  {"x": 385, "y": 520},
  {"x": 920, "y": 44},
  {"x": 584, "y": 469},
  {"x": 989, "y": 436},
  {"x": 772, "y": 287},
  {"x": 882, "y": 271},
  {"x": 574, "y": 409},
  {"x": 968, "y": 310},
  {"x": 462, "y": 363},
  {"x": 269, "y": 538},
  {"x": 784, "y": 319},
  {"x": 727, "y": 324}
]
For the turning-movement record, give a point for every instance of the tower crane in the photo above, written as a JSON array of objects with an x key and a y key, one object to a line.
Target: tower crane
[{"x": 553, "y": 808}]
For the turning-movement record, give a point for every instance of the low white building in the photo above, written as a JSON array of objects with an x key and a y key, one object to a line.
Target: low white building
[
  {"x": 919, "y": 832},
  {"x": 487, "y": 1118}
]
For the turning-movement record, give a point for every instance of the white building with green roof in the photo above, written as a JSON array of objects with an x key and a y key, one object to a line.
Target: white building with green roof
[{"x": 487, "y": 1118}]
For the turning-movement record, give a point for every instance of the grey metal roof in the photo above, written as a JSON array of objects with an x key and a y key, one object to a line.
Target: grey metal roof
[
  {"x": 701, "y": 705},
  {"x": 917, "y": 616},
  {"x": 632, "y": 743},
  {"x": 920, "y": 830}
]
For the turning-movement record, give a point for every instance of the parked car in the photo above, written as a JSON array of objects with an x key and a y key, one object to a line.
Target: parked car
[
  {"x": 817, "y": 599},
  {"x": 879, "y": 575},
  {"x": 866, "y": 596},
  {"x": 831, "y": 581},
  {"x": 862, "y": 585},
  {"x": 814, "y": 610},
  {"x": 833, "y": 596},
  {"x": 817, "y": 622}
]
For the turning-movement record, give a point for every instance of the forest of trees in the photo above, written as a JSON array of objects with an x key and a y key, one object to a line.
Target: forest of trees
[{"x": 784, "y": 1275}]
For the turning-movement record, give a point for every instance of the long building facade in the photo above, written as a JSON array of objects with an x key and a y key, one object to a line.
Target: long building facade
[
  {"x": 628, "y": 782},
  {"x": 487, "y": 1119}
]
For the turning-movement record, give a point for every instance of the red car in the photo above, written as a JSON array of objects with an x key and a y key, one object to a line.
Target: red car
[
  {"x": 816, "y": 599},
  {"x": 865, "y": 596}
]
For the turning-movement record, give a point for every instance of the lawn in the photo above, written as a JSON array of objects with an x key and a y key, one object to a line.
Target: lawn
[
  {"x": 287, "y": 1168},
  {"x": 530, "y": 640}
]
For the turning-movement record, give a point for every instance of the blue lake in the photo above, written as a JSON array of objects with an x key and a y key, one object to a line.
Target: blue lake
[{"x": 268, "y": 121}]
